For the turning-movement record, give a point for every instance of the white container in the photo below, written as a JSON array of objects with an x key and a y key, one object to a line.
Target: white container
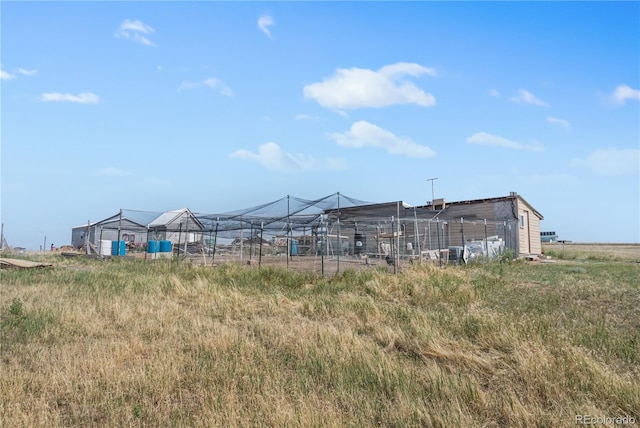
[{"x": 105, "y": 248}]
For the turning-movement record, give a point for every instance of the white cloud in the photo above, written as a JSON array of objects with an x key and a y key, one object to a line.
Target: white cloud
[
  {"x": 264, "y": 22},
  {"x": 82, "y": 98},
  {"x": 27, "y": 72},
  {"x": 526, "y": 97},
  {"x": 561, "y": 122},
  {"x": 136, "y": 31},
  {"x": 212, "y": 83},
  {"x": 365, "y": 134},
  {"x": 359, "y": 87},
  {"x": 494, "y": 93},
  {"x": 610, "y": 162},
  {"x": 112, "y": 171},
  {"x": 484, "y": 139},
  {"x": 272, "y": 157},
  {"x": 624, "y": 93},
  {"x": 5, "y": 75}
]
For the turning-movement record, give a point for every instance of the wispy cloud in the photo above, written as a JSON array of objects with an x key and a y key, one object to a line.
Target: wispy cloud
[
  {"x": 365, "y": 134},
  {"x": 27, "y": 72},
  {"x": 485, "y": 139},
  {"x": 136, "y": 31},
  {"x": 526, "y": 97},
  {"x": 623, "y": 93},
  {"x": 272, "y": 157},
  {"x": 610, "y": 162},
  {"x": 555, "y": 121},
  {"x": 212, "y": 83},
  {"x": 264, "y": 22},
  {"x": 4, "y": 75},
  {"x": 494, "y": 93},
  {"x": 112, "y": 171},
  {"x": 359, "y": 87},
  {"x": 82, "y": 98}
]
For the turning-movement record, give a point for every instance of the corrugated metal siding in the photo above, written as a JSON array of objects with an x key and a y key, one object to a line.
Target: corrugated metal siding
[{"x": 77, "y": 236}]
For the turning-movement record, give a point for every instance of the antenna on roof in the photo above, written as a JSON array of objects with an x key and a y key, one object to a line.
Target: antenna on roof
[{"x": 432, "y": 192}]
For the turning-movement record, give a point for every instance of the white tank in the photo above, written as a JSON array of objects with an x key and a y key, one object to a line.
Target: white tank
[{"x": 105, "y": 248}]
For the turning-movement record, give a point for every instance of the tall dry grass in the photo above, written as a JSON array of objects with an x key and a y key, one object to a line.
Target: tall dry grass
[{"x": 125, "y": 343}]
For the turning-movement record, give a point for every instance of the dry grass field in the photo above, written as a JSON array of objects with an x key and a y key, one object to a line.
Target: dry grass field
[
  {"x": 610, "y": 252},
  {"x": 134, "y": 343}
]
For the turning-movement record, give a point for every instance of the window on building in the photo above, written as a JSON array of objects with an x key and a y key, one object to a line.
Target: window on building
[{"x": 522, "y": 221}]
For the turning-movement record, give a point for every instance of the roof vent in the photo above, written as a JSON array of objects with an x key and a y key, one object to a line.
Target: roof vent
[{"x": 439, "y": 204}]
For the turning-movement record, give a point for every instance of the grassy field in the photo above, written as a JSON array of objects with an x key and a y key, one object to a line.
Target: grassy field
[{"x": 129, "y": 343}]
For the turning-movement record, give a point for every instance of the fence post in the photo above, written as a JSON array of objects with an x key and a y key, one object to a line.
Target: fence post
[
  {"x": 261, "y": 233},
  {"x": 215, "y": 243},
  {"x": 393, "y": 256},
  {"x": 486, "y": 242},
  {"x": 179, "y": 240},
  {"x": 439, "y": 246}
]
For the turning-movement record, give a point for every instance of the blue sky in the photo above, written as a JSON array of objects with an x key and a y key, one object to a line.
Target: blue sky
[{"x": 218, "y": 106}]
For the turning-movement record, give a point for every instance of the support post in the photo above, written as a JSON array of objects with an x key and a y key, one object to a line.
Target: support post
[
  {"x": 288, "y": 232},
  {"x": 179, "y": 239},
  {"x": 87, "y": 238},
  {"x": 119, "y": 232},
  {"x": 339, "y": 237},
  {"x": 260, "y": 255},
  {"x": 439, "y": 246},
  {"x": 215, "y": 243},
  {"x": 486, "y": 242}
]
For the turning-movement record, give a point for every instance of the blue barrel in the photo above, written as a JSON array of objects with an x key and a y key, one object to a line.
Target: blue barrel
[
  {"x": 294, "y": 247},
  {"x": 165, "y": 246},
  {"x": 118, "y": 248},
  {"x": 152, "y": 247}
]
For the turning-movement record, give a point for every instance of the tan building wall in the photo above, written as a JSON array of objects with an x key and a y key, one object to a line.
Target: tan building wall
[{"x": 528, "y": 229}]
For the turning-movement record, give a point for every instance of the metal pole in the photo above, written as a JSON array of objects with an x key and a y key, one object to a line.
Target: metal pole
[
  {"x": 87, "y": 238},
  {"x": 438, "y": 233},
  {"x": 504, "y": 232},
  {"x": 393, "y": 254},
  {"x": 251, "y": 242},
  {"x": 462, "y": 232},
  {"x": 119, "y": 232},
  {"x": 179, "y": 239},
  {"x": 210, "y": 243},
  {"x": 486, "y": 242},
  {"x": 215, "y": 243},
  {"x": 323, "y": 244},
  {"x": 288, "y": 231},
  {"x": 241, "y": 237},
  {"x": 260, "y": 255},
  {"x": 416, "y": 238},
  {"x": 186, "y": 236},
  {"x": 397, "y": 235},
  {"x": 433, "y": 207},
  {"x": 339, "y": 237}
]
